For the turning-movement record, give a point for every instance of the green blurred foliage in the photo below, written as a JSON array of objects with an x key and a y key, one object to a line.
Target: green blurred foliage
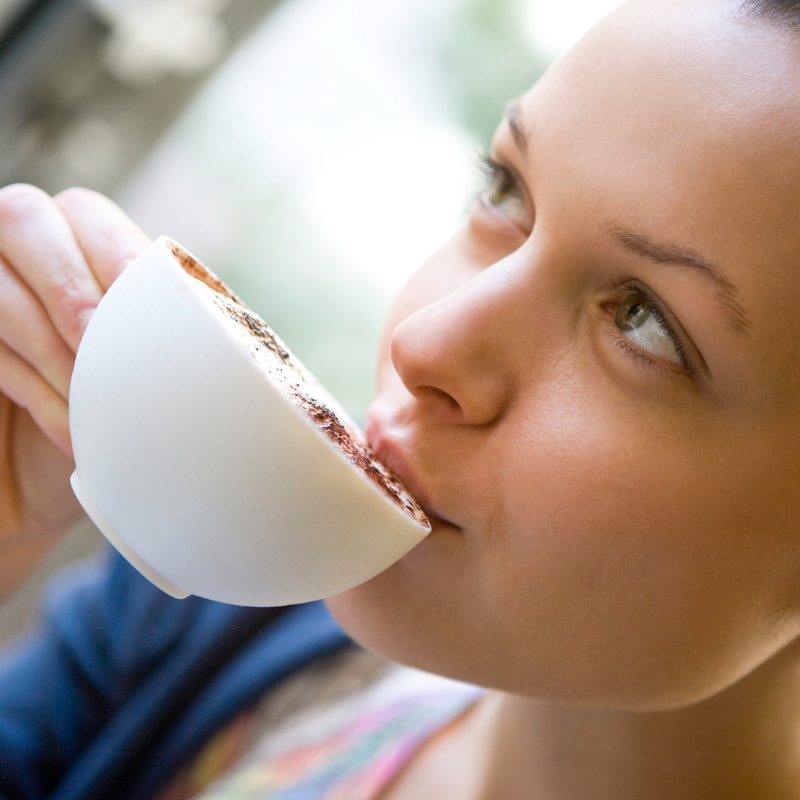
[
  {"x": 328, "y": 319},
  {"x": 481, "y": 47},
  {"x": 469, "y": 57}
]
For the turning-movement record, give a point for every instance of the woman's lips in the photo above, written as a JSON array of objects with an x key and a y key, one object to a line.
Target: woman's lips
[{"x": 390, "y": 454}]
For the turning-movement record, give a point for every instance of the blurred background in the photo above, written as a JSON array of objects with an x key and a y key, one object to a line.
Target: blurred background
[{"x": 311, "y": 152}]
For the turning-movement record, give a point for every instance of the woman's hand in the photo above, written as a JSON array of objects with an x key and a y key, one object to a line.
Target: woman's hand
[{"x": 58, "y": 256}]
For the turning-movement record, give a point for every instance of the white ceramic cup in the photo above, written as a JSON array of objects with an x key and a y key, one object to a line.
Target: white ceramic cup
[{"x": 199, "y": 469}]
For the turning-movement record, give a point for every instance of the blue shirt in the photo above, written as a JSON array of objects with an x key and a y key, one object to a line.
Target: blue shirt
[{"x": 121, "y": 684}]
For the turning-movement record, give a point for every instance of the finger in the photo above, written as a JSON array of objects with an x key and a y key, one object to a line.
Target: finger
[
  {"x": 28, "y": 331},
  {"x": 106, "y": 235},
  {"x": 25, "y": 387},
  {"x": 41, "y": 476},
  {"x": 37, "y": 241}
]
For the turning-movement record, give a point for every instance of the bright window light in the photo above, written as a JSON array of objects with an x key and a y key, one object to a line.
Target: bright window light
[{"x": 554, "y": 26}]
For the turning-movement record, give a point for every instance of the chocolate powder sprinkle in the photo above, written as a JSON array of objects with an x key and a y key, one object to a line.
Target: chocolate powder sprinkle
[
  {"x": 201, "y": 272},
  {"x": 347, "y": 440},
  {"x": 359, "y": 454}
]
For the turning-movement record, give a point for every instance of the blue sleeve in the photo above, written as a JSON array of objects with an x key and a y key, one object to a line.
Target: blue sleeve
[{"x": 105, "y": 630}]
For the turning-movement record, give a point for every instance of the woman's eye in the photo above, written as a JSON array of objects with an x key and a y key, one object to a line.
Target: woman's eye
[
  {"x": 505, "y": 195},
  {"x": 642, "y": 322}
]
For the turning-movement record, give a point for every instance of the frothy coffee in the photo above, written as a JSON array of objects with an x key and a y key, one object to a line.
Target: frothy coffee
[{"x": 295, "y": 382}]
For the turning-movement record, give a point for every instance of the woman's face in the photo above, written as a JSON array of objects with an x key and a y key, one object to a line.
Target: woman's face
[{"x": 594, "y": 387}]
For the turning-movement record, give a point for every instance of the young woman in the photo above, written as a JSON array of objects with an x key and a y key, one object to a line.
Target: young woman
[{"x": 594, "y": 391}]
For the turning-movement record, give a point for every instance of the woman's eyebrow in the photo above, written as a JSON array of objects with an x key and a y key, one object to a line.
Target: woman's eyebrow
[
  {"x": 668, "y": 253},
  {"x": 514, "y": 120}
]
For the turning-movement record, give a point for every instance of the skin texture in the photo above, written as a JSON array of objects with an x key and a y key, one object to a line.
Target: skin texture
[
  {"x": 617, "y": 544},
  {"x": 57, "y": 258},
  {"x": 621, "y": 532},
  {"x": 616, "y": 547}
]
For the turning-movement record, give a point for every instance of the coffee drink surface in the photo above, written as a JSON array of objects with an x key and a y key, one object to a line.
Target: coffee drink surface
[{"x": 294, "y": 381}]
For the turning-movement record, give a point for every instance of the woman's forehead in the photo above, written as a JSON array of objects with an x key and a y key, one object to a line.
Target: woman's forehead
[
  {"x": 684, "y": 86},
  {"x": 688, "y": 130}
]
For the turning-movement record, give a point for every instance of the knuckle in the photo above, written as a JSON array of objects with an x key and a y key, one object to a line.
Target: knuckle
[
  {"x": 62, "y": 294},
  {"x": 66, "y": 292},
  {"x": 74, "y": 197},
  {"x": 51, "y": 347},
  {"x": 70, "y": 299},
  {"x": 19, "y": 200}
]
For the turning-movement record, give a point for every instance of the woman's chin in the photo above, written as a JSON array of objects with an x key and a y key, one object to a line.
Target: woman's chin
[{"x": 410, "y": 611}]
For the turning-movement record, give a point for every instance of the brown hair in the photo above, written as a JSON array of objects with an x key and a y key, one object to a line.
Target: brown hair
[{"x": 785, "y": 11}]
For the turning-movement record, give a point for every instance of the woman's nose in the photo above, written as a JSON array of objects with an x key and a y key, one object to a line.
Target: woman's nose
[{"x": 455, "y": 355}]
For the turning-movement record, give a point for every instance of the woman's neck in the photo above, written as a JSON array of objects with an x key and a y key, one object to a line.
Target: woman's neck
[{"x": 743, "y": 744}]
